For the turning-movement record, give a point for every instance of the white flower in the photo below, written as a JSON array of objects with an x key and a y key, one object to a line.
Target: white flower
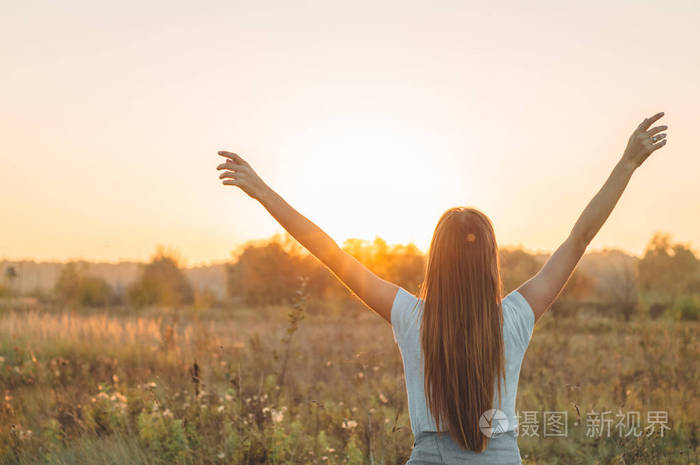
[
  {"x": 167, "y": 413},
  {"x": 221, "y": 455},
  {"x": 277, "y": 415},
  {"x": 349, "y": 424},
  {"x": 383, "y": 398},
  {"x": 220, "y": 409}
]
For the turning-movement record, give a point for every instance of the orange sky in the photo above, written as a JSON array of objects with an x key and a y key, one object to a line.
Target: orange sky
[{"x": 371, "y": 118}]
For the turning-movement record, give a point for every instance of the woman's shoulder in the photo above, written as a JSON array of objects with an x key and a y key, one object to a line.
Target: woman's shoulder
[
  {"x": 518, "y": 316},
  {"x": 405, "y": 313}
]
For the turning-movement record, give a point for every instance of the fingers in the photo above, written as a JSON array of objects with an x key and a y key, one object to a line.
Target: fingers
[
  {"x": 658, "y": 145},
  {"x": 658, "y": 137},
  {"x": 230, "y": 166},
  {"x": 229, "y": 174},
  {"x": 657, "y": 129},
  {"x": 646, "y": 124},
  {"x": 232, "y": 182},
  {"x": 234, "y": 157}
]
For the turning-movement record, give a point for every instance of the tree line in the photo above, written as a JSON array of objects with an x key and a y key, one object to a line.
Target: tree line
[{"x": 665, "y": 280}]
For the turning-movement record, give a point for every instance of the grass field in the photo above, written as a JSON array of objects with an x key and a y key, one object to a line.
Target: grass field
[{"x": 113, "y": 387}]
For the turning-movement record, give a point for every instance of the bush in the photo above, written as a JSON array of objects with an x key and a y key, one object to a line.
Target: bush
[
  {"x": 687, "y": 308},
  {"x": 164, "y": 436},
  {"x": 162, "y": 282},
  {"x": 74, "y": 286}
]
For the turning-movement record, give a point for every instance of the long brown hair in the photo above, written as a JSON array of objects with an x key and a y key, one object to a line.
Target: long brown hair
[{"x": 462, "y": 326}]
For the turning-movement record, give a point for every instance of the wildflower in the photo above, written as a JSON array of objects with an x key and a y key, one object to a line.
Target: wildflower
[
  {"x": 265, "y": 409},
  {"x": 360, "y": 375},
  {"x": 24, "y": 435},
  {"x": 151, "y": 385},
  {"x": 167, "y": 413},
  {"x": 372, "y": 410},
  {"x": 340, "y": 404},
  {"x": 375, "y": 368},
  {"x": 329, "y": 363},
  {"x": 247, "y": 401},
  {"x": 2, "y": 360},
  {"x": 386, "y": 420},
  {"x": 331, "y": 450},
  {"x": 383, "y": 398},
  {"x": 221, "y": 455},
  {"x": 278, "y": 415},
  {"x": 115, "y": 379},
  {"x": 354, "y": 409},
  {"x": 324, "y": 457},
  {"x": 220, "y": 409},
  {"x": 155, "y": 406},
  {"x": 228, "y": 397},
  {"x": 349, "y": 424}
]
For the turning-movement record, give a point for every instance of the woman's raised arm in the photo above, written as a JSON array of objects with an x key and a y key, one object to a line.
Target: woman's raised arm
[
  {"x": 543, "y": 289},
  {"x": 372, "y": 290}
]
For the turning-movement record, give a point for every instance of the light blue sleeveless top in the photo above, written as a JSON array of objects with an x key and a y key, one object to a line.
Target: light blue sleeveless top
[{"x": 518, "y": 324}]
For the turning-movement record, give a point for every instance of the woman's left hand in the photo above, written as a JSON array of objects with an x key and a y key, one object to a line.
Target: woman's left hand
[{"x": 240, "y": 173}]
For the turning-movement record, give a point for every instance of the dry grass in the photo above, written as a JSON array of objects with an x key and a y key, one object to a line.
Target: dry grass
[{"x": 343, "y": 398}]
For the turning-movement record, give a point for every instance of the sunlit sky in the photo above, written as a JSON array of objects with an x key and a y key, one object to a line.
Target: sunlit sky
[{"x": 370, "y": 117}]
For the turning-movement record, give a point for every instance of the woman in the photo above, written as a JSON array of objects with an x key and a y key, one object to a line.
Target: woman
[{"x": 461, "y": 344}]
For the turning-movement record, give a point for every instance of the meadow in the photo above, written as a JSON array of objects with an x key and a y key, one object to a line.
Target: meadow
[{"x": 319, "y": 382}]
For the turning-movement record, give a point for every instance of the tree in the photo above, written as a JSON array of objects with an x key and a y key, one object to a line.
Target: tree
[
  {"x": 619, "y": 289},
  {"x": 76, "y": 287},
  {"x": 517, "y": 266},
  {"x": 162, "y": 282},
  {"x": 264, "y": 274},
  {"x": 668, "y": 270}
]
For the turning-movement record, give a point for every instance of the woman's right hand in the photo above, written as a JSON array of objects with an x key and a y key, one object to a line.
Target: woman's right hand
[{"x": 644, "y": 141}]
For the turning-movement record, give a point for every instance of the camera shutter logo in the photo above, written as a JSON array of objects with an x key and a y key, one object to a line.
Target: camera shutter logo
[{"x": 493, "y": 423}]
